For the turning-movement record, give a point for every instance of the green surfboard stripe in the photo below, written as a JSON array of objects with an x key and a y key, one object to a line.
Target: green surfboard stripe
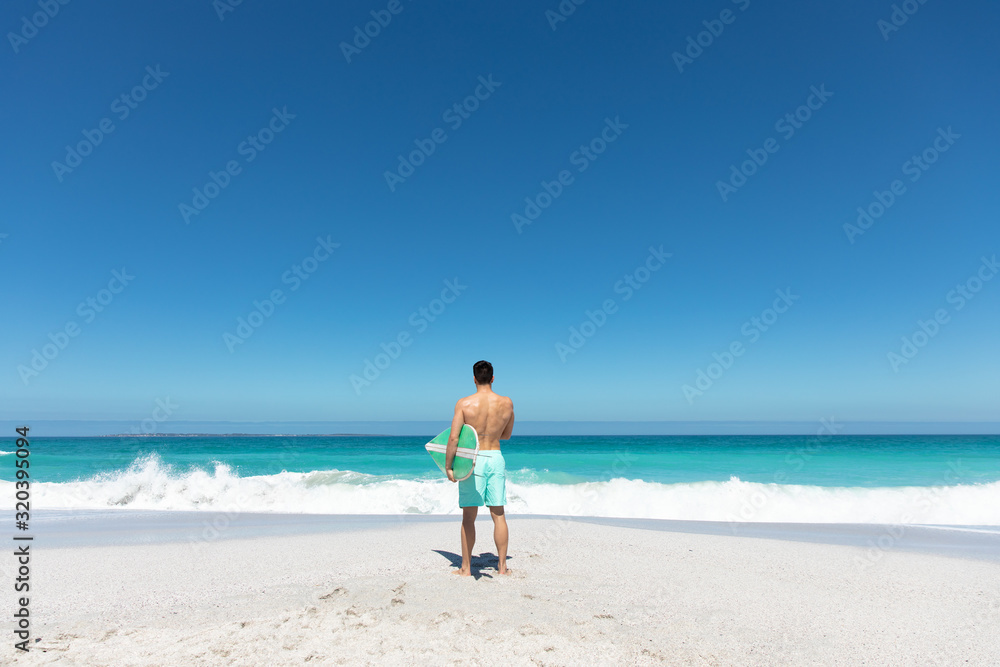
[{"x": 467, "y": 439}]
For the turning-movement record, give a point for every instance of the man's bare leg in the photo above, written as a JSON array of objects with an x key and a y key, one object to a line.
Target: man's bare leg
[
  {"x": 468, "y": 539},
  {"x": 500, "y": 537}
]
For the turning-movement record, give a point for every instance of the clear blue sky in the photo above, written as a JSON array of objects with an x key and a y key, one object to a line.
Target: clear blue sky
[{"x": 551, "y": 91}]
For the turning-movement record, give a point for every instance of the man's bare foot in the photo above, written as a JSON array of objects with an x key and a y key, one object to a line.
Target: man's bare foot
[
  {"x": 505, "y": 570},
  {"x": 462, "y": 572}
]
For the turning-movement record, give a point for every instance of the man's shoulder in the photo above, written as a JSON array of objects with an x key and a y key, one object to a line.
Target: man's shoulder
[{"x": 474, "y": 399}]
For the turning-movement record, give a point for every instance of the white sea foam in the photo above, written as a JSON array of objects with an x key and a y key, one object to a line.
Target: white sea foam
[{"x": 150, "y": 484}]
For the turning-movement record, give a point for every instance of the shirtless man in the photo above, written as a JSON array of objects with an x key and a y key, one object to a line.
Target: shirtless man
[{"x": 492, "y": 416}]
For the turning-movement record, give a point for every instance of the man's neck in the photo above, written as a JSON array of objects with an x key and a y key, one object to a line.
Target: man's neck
[{"x": 484, "y": 388}]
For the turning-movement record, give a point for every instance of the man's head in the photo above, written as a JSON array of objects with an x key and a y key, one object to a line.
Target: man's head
[{"x": 482, "y": 371}]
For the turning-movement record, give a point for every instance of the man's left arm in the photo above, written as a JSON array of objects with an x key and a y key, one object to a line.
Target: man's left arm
[
  {"x": 457, "y": 422},
  {"x": 509, "y": 428}
]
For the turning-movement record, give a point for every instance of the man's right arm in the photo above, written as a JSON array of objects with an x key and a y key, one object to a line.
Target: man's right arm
[
  {"x": 509, "y": 428},
  {"x": 452, "y": 447}
]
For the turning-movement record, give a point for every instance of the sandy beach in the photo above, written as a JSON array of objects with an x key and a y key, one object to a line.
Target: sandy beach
[{"x": 151, "y": 590}]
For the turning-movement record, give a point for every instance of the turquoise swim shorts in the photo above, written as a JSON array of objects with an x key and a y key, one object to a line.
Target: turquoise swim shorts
[{"x": 487, "y": 483}]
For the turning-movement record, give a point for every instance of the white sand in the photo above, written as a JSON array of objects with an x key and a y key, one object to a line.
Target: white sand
[{"x": 579, "y": 594}]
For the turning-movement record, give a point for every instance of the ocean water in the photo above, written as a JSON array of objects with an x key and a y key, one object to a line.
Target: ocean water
[{"x": 946, "y": 480}]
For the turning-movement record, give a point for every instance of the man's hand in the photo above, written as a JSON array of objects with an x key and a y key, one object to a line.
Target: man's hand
[{"x": 451, "y": 474}]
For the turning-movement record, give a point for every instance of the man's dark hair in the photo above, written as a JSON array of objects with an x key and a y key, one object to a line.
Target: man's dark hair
[{"x": 483, "y": 372}]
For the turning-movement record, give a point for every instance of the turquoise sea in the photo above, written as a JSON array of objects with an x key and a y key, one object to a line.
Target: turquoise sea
[{"x": 886, "y": 479}]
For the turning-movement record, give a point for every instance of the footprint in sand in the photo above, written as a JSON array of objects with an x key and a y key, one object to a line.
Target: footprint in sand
[
  {"x": 336, "y": 592},
  {"x": 398, "y": 590}
]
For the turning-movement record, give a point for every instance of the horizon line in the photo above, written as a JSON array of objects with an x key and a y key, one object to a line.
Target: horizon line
[{"x": 826, "y": 427}]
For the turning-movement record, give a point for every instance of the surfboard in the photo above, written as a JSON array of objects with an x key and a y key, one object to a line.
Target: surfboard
[{"x": 465, "y": 455}]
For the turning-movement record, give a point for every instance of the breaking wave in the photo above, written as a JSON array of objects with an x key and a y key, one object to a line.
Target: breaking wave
[{"x": 150, "y": 484}]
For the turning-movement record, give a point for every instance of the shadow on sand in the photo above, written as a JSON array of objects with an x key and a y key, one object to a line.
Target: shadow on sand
[{"x": 480, "y": 562}]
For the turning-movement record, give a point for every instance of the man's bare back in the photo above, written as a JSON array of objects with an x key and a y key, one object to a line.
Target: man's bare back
[{"x": 491, "y": 414}]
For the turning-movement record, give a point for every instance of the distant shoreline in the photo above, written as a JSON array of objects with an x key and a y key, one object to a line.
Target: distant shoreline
[
  {"x": 246, "y": 435},
  {"x": 430, "y": 434},
  {"x": 202, "y": 428}
]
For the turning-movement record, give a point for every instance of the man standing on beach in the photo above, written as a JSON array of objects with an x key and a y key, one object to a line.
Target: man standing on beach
[{"x": 492, "y": 416}]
